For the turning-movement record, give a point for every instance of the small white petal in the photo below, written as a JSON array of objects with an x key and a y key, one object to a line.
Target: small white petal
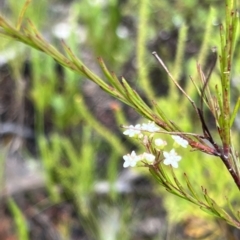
[
  {"x": 174, "y": 164},
  {"x": 160, "y": 143},
  {"x": 132, "y": 130},
  {"x": 149, "y": 157},
  {"x": 180, "y": 141},
  {"x": 167, "y": 161},
  {"x": 166, "y": 154},
  {"x": 150, "y": 127},
  {"x": 138, "y": 127},
  {"x": 125, "y": 164},
  {"x": 130, "y": 160},
  {"x": 171, "y": 158}
]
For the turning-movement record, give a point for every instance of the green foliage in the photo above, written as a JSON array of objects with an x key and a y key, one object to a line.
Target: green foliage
[
  {"x": 103, "y": 24},
  {"x": 20, "y": 221},
  {"x": 69, "y": 162},
  {"x": 76, "y": 169}
]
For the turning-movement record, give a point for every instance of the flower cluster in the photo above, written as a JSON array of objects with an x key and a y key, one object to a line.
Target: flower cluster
[
  {"x": 156, "y": 146},
  {"x": 132, "y": 159},
  {"x": 133, "y": 131}
]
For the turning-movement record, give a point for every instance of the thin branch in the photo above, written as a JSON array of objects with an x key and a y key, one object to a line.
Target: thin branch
[{"x": 174, "y": 81}]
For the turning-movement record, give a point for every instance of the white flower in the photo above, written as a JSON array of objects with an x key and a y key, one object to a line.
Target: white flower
[
  {"x": 160, "y": 143},
  {"x": 171, "y": 158},
  {"x": 133, "y": 130},
  {"x": 180, "y": 141},
  {"x": 150, "y": 127},
  {"x": 131, "y": 160},
  {"x": 148, "y": 157}
]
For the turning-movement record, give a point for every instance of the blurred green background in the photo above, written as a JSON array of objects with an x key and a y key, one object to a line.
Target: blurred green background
[{"x": 62, "y": 173}]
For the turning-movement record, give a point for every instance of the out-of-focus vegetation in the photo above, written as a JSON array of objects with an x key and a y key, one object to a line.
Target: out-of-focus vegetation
[{"x": 77, "y": 134}]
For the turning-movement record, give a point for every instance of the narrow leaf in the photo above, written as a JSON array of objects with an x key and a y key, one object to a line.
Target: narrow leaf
[
  {"x": 190, "y": 187},
  {"x": 235, "y": 112}
]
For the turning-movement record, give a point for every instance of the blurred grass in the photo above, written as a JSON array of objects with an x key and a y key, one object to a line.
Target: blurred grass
[
  {"x": 71, "y": 147},
  {"x": 20, "y": 221}
]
